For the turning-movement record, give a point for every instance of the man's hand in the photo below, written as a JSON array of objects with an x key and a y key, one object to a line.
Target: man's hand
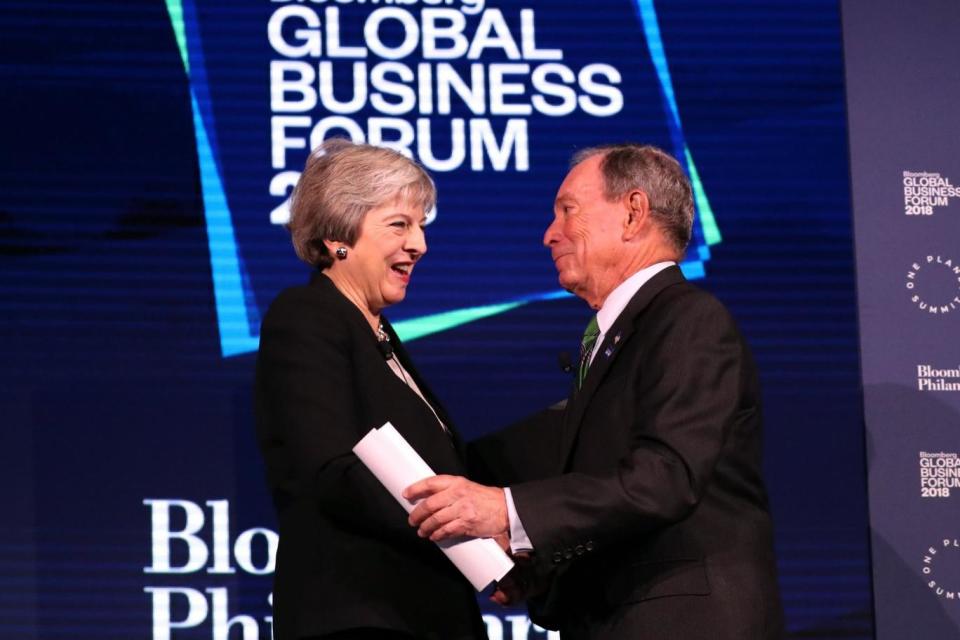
[
  {"x": 509, "y": 591},
  {"x": 521, "y": 583},
  {"x": 452, "y": 506}
]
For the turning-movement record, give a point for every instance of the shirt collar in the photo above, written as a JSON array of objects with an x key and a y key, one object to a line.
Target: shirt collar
[{"x": 617, "y": 300}]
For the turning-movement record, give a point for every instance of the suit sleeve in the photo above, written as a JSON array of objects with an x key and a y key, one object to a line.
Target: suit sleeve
[
  {"x": 525, "y": 450},
  {"x": 307, "y": 419},
  {"x": 685, "y": 402}
]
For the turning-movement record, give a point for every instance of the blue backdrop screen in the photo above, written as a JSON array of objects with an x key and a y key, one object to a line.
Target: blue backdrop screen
[{"x": 149, "y": 151}]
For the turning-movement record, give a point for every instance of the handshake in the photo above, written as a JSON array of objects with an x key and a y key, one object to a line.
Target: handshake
[{"x": 454, "y": 507}]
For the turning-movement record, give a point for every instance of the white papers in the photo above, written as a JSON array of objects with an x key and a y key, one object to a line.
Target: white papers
[{"x": 396, "y": 465}]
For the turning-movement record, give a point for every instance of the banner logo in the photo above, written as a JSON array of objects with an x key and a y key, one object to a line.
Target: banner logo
[
  {"x": 940, "y": 568},
  {"x": 195, "y": 560},
  {"x": 925, "y": 192},
  {"x": 476, "y": 93},
  {"x": 930, "y": 378},
  {"x": 939, "y": 473},
  {"x": 934, "y": 285},
  {"x": 181, "y": 544}
]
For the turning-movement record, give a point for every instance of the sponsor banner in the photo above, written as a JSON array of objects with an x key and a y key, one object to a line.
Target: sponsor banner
[{"x": 907, "y": 245}]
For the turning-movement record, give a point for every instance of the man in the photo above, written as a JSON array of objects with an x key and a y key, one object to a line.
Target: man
[{"x": 656, "y": 524}]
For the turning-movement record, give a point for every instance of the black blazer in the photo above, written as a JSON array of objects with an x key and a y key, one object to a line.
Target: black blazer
[
  {"x": 658, "y": 492},
  {"x": 347, "y": 557}
]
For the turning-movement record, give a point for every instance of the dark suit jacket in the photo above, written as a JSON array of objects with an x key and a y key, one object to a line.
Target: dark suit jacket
[
  {"x": 347, "y": 557},
  {"x": 659, "y": 502}
]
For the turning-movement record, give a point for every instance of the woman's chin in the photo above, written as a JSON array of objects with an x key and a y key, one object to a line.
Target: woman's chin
[{"x": 394, "y": 296}]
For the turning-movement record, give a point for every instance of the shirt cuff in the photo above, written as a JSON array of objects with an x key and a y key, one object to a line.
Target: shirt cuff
[{"x": 518, "y": 536}]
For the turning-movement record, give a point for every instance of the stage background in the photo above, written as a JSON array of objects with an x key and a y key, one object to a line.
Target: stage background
[
  {"x": 902, "y": 88},
  {"x": 137, "y": 255}
]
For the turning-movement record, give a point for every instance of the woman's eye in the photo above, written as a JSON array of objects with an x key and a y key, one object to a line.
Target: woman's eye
[{"x": 400, "y": 224}]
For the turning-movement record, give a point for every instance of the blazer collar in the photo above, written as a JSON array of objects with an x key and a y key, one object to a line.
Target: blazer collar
[
  {"x": 619, "y": 334},
  {"x": 323, "y": 281}
]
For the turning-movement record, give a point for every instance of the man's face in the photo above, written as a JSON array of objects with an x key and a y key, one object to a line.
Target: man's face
[{"x": 586, "y": 236}]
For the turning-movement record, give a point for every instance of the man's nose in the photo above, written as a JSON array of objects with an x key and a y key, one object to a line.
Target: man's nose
[{"x": 552, "y": 234}]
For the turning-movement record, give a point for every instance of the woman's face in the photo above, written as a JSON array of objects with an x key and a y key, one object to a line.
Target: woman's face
[{"x": 380, "y": 263}]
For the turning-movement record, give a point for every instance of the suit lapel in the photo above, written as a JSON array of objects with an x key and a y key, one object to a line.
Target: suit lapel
[
  {"x": 401, "y": 353},
  {"x": 613, "y": 342}
]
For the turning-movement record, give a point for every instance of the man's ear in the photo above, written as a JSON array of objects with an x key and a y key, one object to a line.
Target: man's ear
[{"x": 638, "y": 213}]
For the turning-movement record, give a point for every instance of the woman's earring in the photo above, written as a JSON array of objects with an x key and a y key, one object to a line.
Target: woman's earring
[{"x": 341, "y": 253}]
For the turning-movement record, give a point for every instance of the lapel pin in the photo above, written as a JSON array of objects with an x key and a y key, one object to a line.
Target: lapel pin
[{"x": 609, "y": 350}]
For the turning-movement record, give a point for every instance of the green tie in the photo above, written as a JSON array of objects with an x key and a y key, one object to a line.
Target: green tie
[{"x": 586, "y": 348}]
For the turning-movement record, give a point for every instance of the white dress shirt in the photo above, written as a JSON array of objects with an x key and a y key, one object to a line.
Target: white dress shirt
[{"x": 611, "y": 309}]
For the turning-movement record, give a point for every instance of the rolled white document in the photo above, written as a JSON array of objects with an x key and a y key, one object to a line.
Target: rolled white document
[{"x": 396, "y": 465}]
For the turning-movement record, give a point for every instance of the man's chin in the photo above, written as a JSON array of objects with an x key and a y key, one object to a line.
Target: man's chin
[{"x": 570, "y": 284}]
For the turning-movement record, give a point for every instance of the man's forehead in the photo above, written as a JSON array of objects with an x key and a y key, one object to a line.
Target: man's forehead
[
  {"x": 581, "y": 179},
  {"x": 589, "y": 166}
]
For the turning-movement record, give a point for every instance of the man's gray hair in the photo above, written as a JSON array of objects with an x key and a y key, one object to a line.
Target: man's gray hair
[
  {"x": 340, "y": 184},
  {"x": 628, "y": 166}
]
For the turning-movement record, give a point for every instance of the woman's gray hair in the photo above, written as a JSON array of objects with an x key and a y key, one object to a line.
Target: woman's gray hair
[
  {"x": 626, "y": 167},
  {"x": 341, "y": 182}
]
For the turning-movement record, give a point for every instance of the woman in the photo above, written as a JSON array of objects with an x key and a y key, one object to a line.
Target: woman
[{"x": 330, "y": 368}]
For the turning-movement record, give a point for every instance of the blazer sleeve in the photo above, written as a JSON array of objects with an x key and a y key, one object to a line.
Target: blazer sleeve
[
  {"x": 686, "y": 401},
  {"x": 307, "y": 416}
]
